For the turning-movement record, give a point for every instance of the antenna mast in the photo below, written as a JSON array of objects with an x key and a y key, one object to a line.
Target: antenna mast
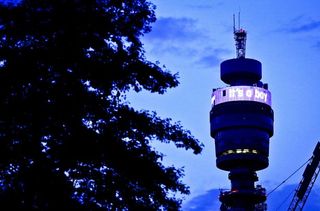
[{"x": 240, "y": 36}]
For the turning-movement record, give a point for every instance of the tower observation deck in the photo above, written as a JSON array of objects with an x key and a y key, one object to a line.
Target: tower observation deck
[{"x": 241, "y": 123}]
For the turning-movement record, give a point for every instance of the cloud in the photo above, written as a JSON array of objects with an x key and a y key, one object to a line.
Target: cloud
[
  {"x": 211, "y": 57},
  {"x": 305, "y": 27},
  {"x": 182, "y": 37},
  {"x": 175, "y": 36},
  {"x": 301, "y": 24},
  {"x": 210, "y": 5},
  {"x": 209, "y": 60},
  {"x": 206, "y": 202},
  {"x": 169, "y": 29}
]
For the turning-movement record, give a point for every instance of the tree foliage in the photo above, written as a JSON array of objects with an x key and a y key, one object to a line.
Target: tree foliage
[{"x": 68, "y": 138}]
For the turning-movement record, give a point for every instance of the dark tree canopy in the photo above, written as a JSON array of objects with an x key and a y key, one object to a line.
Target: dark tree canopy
[{"x": 68, "y": 138}]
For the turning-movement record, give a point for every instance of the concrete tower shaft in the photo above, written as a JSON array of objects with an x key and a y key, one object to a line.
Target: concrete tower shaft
[{"x": 241, "y": 123}]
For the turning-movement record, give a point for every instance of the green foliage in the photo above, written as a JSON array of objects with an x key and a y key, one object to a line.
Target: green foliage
[{"x": 68, "y": 140}]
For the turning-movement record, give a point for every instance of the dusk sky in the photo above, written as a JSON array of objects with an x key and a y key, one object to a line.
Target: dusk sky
[{"x": 193, "y": 37}]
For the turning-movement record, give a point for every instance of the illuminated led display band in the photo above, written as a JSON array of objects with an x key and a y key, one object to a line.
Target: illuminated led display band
[{"x": 241, "y": 93}]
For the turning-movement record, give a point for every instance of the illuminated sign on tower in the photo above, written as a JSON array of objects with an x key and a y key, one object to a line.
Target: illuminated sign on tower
[{"x": 241, "y": 93}]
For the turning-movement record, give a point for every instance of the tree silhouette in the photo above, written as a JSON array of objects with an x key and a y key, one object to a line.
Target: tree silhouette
[{"x": 68, "y": 138}]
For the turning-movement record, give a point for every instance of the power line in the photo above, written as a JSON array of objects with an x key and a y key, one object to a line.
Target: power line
[{"x": 289, "y": 176}]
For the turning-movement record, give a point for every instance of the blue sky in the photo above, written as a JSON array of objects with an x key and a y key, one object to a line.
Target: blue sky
[{"x": 192, "y": 37}]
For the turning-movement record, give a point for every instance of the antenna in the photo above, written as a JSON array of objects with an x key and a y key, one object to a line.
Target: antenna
[{"x": 240, "y": 36}]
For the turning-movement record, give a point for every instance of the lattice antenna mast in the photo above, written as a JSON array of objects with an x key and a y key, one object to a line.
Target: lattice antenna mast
[{"x": 240, "y": 36}]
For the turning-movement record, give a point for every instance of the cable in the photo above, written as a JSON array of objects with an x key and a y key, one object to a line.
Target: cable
[
  {"x": 282, "y": 203},
  {"x": 289, "y": 177}
]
